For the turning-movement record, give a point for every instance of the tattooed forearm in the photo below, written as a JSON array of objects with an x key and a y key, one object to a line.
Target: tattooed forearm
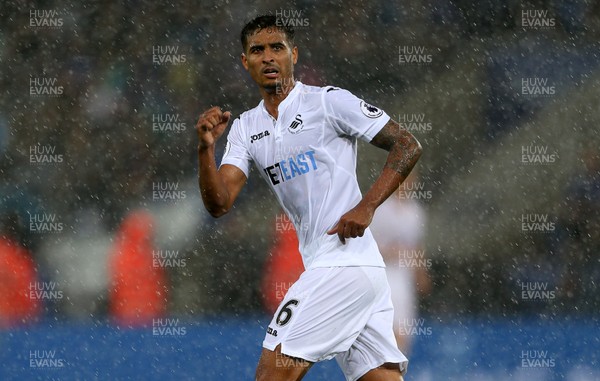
[{"x": 404, "y": 149}]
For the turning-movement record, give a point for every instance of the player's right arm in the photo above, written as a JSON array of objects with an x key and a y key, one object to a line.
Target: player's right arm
[{"x": 219, "y": 187}]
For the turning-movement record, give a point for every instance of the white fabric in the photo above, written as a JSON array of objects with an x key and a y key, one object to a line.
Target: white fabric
[
  {"x": 398, "y": 224},
  {"x": 398, "y": 227},
  {"x": 341, "y": 312},
  {"x": 308, "y": 158}
]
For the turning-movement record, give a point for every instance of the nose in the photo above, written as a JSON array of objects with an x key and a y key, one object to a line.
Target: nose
[{"x": 268, "y": 56}]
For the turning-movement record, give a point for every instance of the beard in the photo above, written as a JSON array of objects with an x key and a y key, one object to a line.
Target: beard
[
  {"x": 280, "y": 86},
  {"x": 273, "y": 88}
]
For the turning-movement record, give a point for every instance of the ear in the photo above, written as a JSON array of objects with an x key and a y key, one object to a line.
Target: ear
[
  {"x": 244, "y": 61},
  {"x": 295, "y": 54}
]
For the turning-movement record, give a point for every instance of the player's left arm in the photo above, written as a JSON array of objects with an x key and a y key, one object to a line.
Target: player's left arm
[{"x": 403, "y": 152}]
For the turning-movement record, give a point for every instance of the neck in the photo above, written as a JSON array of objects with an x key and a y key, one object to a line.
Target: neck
[{"x": 274, "y": 96}]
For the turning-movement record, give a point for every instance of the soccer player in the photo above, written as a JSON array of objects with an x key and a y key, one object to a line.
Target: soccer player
[{"x": 303, "y": 141}]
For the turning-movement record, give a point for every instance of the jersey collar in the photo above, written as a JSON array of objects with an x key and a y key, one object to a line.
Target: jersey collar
[{"x": 288, "y": 99}]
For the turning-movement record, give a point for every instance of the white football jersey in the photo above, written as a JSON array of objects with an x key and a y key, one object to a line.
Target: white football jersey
[{"x": 308, "y": 157}]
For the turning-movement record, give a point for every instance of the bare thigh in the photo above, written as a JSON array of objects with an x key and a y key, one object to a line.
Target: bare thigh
[{"x": 275, "y": 366}]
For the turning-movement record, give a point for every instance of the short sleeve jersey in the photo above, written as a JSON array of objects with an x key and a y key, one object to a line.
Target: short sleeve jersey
[{"x": 308, "y": 157}]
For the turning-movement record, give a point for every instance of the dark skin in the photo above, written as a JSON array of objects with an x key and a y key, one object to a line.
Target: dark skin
[{"x": 269, "y": 58}]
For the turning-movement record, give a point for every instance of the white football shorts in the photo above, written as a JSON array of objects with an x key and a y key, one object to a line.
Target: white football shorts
[{"x": 341, "y": 312}]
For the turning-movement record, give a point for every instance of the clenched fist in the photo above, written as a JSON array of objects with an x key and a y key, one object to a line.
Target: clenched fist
[{"x": 211, "y": 125}]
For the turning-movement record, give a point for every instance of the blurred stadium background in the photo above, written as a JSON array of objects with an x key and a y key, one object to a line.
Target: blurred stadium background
[{"x": 97, "y": 111}]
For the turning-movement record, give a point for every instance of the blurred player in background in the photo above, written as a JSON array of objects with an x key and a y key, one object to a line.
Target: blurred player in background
[
  {"x": 138, "y": 292},
  {"x": 18, "y": 276},
  {"x": 283, "y": 266},
  {"x": 303, "y": 141},
  {"x": 398, "y": 227}
]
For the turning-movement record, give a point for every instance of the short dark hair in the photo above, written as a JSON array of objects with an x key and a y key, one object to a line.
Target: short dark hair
[{"x": 262, "y": 22}]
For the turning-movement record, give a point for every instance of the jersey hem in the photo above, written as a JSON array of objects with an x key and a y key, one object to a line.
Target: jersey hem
[
  {"x": 325, "y": 265},
  {"x": 235, "y": 163}
]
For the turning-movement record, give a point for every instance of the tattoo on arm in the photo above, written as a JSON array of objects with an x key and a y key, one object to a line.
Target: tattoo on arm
[{"x": 404, "y": 149}]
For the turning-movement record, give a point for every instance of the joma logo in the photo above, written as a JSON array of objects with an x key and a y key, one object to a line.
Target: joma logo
[{"x": 259, "y": 136}]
